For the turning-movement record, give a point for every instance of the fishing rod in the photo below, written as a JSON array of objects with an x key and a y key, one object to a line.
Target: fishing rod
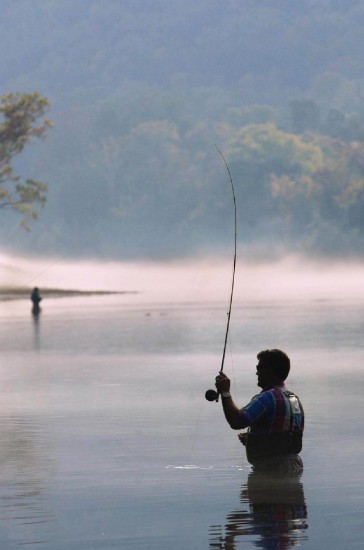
[{"x": 212, "y": 395}]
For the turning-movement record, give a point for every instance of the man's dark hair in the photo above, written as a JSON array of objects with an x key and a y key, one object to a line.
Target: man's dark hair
[{"x": 277, "y": 360}]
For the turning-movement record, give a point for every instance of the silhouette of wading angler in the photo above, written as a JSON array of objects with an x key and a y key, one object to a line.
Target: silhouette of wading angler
[
  {"x": 274, "y": 417},
  {"x": 36, "y": 299}
]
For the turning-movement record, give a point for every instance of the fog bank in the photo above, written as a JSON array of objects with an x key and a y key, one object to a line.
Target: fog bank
[{"x": 206, "y": 279}]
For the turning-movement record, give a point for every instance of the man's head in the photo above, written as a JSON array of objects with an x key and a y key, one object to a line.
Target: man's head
[{"x": 273, "y": 367}]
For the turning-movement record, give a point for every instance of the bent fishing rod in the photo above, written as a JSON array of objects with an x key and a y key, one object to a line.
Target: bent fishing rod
[{"x": 212, "y": 395}]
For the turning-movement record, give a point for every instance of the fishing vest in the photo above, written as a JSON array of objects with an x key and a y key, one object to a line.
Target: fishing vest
[{"x": 266, "y": 445}]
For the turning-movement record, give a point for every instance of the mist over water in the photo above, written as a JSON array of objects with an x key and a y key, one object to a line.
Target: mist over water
[{"x": 204, "y": 279}]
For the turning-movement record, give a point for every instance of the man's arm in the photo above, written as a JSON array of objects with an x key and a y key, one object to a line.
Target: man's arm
[{"x": 231, "y": 411}]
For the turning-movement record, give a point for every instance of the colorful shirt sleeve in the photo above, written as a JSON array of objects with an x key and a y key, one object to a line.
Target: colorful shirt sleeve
[{"x": 262, "y": 404}]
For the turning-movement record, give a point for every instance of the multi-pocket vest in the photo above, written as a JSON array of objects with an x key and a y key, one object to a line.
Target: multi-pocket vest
[{"x": 266, "y": 445}]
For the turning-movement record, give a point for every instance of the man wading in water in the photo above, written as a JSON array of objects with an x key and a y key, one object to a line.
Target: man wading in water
[{"x": 275, "y": 416}]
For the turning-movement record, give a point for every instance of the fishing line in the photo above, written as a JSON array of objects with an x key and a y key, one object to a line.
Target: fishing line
[
  {"x": 44, "y": 271},
  {"x": 194, "y": 437}
]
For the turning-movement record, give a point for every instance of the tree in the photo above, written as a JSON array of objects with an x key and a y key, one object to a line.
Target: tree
[
  {"x": 276, "y": 172},
  {"x": 21, "y": 121}
]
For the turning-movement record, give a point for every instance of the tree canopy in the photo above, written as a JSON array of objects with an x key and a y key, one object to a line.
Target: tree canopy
[
  {"x": 21, "y": 121},
  {"x": 142, "y": 90}
]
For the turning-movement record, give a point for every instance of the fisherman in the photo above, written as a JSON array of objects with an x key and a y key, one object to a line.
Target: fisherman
[
  {"x": 36, "y": 299},
  {"x": 274, "y": 417}
]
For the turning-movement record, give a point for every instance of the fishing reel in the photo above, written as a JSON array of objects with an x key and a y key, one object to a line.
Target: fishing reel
[{"x": 212, "y": 395}]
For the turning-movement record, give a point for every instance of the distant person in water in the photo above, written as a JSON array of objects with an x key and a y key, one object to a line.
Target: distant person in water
[
  {"x": 36, "y": 299},
  {"x": 274, "y": 417}
]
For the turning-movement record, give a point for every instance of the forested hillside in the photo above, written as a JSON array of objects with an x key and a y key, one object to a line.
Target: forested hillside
[{"x": 140, "y": 90}]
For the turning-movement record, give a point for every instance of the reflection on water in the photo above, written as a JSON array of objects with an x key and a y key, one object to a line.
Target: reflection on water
[
  {"x": 23, "y": 471},
  {"x": 36, "y": 327},
  {"x": 36, "y": 311},
  {"x": 273, "y": 514}
]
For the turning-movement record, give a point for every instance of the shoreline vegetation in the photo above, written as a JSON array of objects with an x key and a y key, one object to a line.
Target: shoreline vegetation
[{"x": 18, "y": 293}]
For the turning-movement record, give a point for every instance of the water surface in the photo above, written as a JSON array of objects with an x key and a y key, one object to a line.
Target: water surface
[{"x": 107, "y": 441}]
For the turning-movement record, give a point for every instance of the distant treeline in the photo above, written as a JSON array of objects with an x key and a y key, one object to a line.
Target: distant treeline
[{"x": 140, "y": 96}]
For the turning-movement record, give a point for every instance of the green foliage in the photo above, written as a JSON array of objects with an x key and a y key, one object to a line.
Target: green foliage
[
  {"x": 275, "y": 150},
  {"x": 20, "y": 124},
  {"x": 149, "y": 182},
  {"x": 142, "y": 94},
  {"x": 293, "y": 185}
]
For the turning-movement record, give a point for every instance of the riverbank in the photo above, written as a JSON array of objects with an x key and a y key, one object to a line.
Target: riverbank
[{"x": 18, "y": 293}]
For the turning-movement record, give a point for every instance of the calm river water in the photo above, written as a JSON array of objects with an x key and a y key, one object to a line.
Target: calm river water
[{"x": 107, "y": 441}]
